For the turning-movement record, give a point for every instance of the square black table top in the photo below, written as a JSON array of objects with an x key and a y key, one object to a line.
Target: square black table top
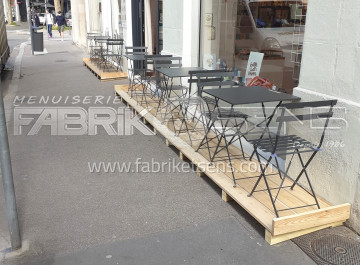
[
  {"x": 178, "y": 71},
  {"x": 135, "y": 57},
  {"x": 248, "y": 94}
]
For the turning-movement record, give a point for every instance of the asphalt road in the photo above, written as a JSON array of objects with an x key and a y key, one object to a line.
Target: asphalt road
[{"x": 17, "y": 35}]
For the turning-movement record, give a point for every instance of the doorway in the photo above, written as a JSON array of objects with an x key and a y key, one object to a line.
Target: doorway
[{"x": 147, "y": 24}]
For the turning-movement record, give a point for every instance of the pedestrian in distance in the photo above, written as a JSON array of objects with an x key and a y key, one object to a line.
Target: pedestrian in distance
[
  {"x": 60, "y": 21},
  {"x": 49, "y": 21},
  {"x": 37, "y": 20}
]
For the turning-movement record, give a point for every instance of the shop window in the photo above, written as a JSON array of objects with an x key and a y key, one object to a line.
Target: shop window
[{"x": 237, "y": 27}]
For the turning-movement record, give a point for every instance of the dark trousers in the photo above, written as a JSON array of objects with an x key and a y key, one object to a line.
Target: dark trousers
[{"x": 49, "y": 29}]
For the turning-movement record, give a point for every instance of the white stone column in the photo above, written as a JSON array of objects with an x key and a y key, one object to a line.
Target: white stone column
[
  {"x": 181, "y": 29},
  {"x": 75, "y": 21},
  {"x": 17, "y": 12},
  {"x": 330, "y": 69},
  {"x": 82, "y": 23}
]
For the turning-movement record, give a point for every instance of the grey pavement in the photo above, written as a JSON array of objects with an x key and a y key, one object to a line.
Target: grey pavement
[{"x": 72, "y": 216}]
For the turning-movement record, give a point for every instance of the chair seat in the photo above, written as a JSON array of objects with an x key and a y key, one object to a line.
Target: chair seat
[
  {"x": 111, "y": 54},
  {"x": 226, "y": 113},
  {"x": 209, "y": 100},
  {"x": 177, "y": 87},
  {"x": 285, "y": 143}
]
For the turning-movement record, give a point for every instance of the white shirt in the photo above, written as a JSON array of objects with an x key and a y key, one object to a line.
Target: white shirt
[{"x": 48, "y": 18}]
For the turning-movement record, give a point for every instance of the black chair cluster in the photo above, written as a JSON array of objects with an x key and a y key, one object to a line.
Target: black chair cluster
[
  {"x": 227, "y": 125},
  {"x": 146, "y": 84},
  {"x": 188, "y": 109},
  {"x": 106, "y": 52}
]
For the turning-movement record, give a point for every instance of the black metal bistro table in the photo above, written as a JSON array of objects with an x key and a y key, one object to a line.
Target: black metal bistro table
[
  {"x": 246, "y": 95},
  {"x": 249, "y": 94},
  {"x": 168, "y": 84},
  {"x": 243, "y": 95},
  {"x": 178, "y": 72},
  {"x": 131, "y": 59}
]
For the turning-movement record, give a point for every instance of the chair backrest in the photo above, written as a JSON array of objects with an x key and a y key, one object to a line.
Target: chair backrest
[
  {"x": 115, "y": 42},
  {"x": 150, "y": 62},
  {"x": 135, "y": 50},
  {"x": 167, "y": 62},
  {"x": 318, "y": 110},
  {"x": 92, "y": 35},
  {"x": 151, "y": 58},
  {"x": 215, "y": 79},
  {"x": 211, "y": 78}
]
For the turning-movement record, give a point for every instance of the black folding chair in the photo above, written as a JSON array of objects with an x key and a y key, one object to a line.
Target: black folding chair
[
  {"x": 187, "y": 115},
  {"x": 282, "y": 145},
  {"x": 203, "y": 79},
  {"x": 136, "y": 66},
  {"x": 113, "y": 54},
  {"x": 150, "y": 80},
  {"x": 90, "y": 41},
  {"x": 225, "y": 123},
  {"x": 97, "y": 48},
  {"x": 226, "y": 126},
  {"x": 167, "y": 89}
]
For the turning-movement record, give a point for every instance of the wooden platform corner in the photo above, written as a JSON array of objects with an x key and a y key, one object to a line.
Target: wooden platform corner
[{"x": 100, "y": 74}]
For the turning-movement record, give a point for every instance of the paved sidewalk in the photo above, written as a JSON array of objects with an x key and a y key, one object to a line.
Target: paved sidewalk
[{"x": 72, "y": 216}]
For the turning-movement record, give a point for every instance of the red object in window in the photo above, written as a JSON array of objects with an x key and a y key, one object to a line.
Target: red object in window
[{"x": 260, "y": 81}]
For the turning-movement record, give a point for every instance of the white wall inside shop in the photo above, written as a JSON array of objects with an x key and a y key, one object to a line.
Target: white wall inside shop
[
  {"x": 181, "y": 29},
  {"x": 79, "y": 23},
  {"x": 331, "y": 69},
  {"x": 219, "y": 37}
]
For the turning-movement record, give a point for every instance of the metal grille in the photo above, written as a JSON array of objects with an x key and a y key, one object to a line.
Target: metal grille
[
  {"x": 298, "y": 38},
  {"x": 335, "y": 246}
]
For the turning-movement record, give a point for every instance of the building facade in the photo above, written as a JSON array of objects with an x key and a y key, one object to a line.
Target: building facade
[
  {"x": 310, "y": 49},
  {"x": 4, "y": 47}
]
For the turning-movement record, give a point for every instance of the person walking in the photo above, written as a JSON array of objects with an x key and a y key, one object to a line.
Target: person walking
[
  {"x": 37, "y": 20},
  {"x": 49, "y": 21},
  {"x": 60, "y": 21}
]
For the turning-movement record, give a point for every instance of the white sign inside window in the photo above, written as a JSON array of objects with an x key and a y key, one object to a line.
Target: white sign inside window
[{"x": 253, "y": 66}]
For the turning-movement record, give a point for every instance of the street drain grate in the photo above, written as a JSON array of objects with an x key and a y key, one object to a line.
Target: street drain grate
[
  {"x": 60, "y": 61},
  {"x": 335, "y": 246}
]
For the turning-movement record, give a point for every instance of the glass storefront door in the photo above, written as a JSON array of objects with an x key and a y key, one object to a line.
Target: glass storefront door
[{"x": 231, "y": 29}]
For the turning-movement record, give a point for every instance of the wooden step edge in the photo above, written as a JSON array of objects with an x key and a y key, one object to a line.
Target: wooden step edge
[
  {"x": 103, "y": 76},
  {"x": 272, "y": 240},
  {"x": 306, "y": 220},
  {"x": 226, "y": 197},
  {"x": 199, "y": 172}
]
